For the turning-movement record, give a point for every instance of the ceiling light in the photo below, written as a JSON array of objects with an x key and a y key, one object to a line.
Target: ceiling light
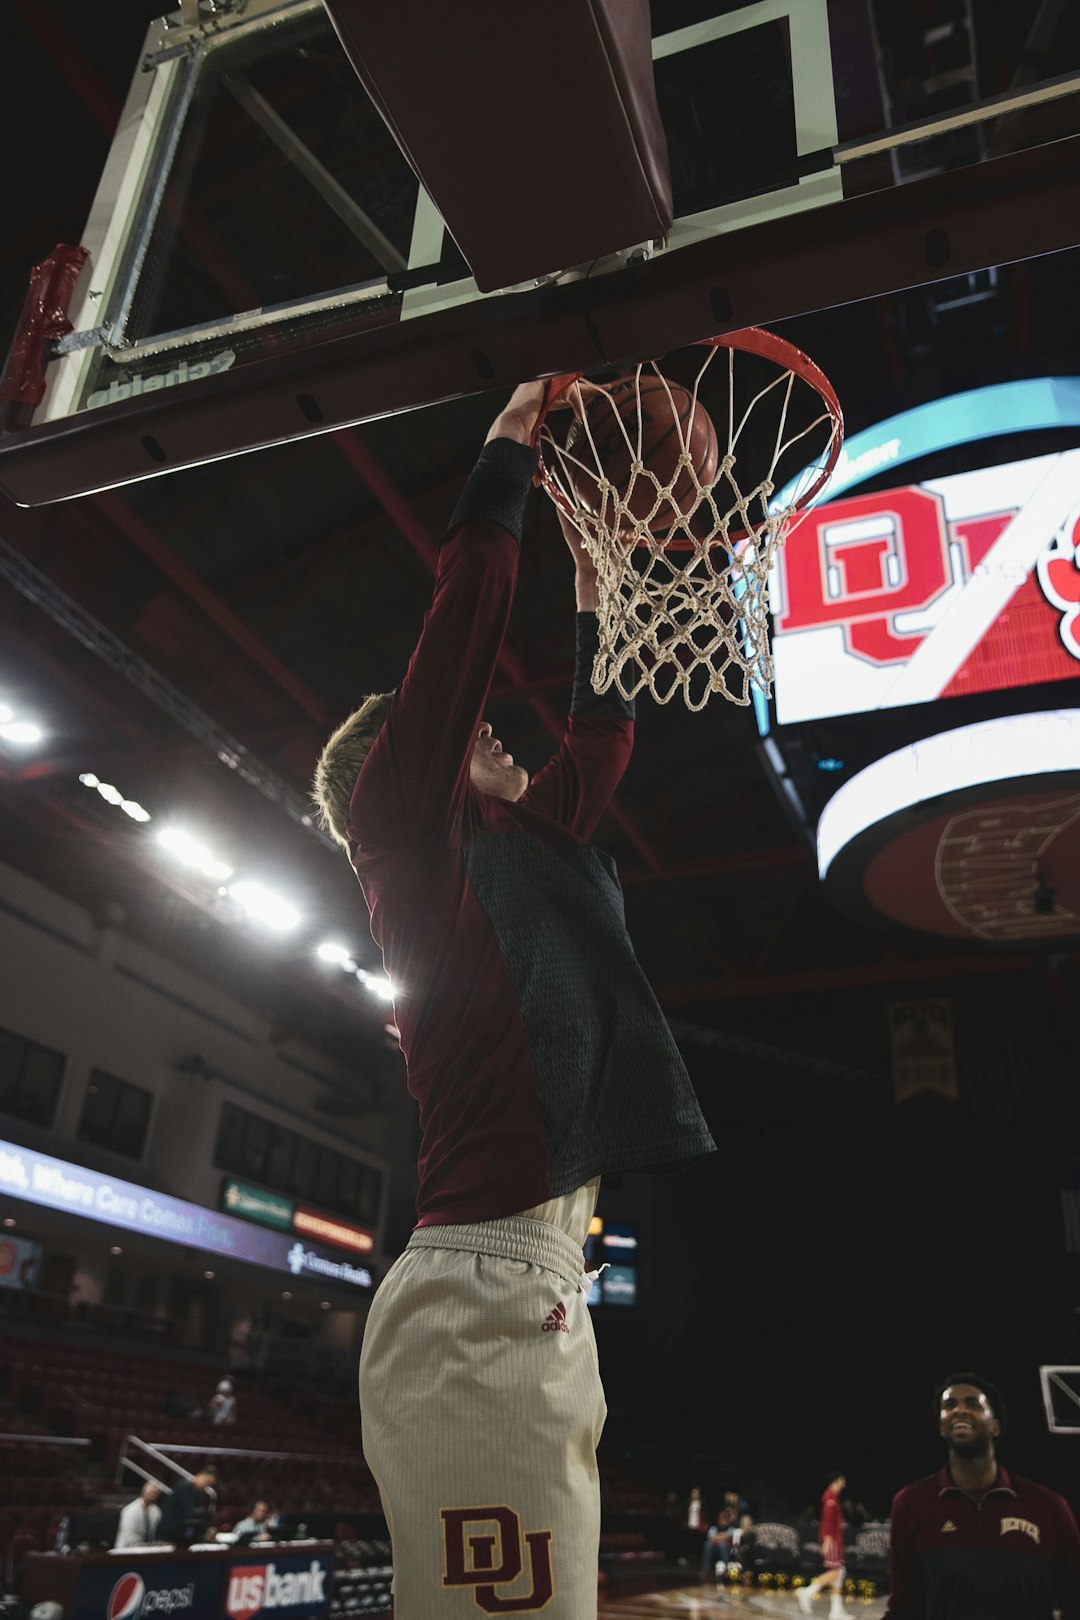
[
  {"x": 380, "y": 986},
  {"x": 9, "y": 1220},
  {"x": 193, "y": 853},
  {"x": 326, "y": 1304},
  {"x": 328, "y": 951},
  {"x": 135, "y": 811},
  {"x": 110, "y": 794},
  {"x": 116, "y": 1249},
  {"x": 88, "y": 779},
  {"x": 262, "y": 906},
  {"x": 209, "y": 1275},
  {"x": 286, "y": 1295},
  {"x": 20, "y": 731},
  {"x": 181, "y": 844}
]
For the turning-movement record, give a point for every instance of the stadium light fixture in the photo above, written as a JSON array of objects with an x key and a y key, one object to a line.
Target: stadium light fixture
[
  {"x": 262, "y": 906},
  {"x": 378, "y": 984},
  {"x": 20, "y": 732},
  {"x": 192, "y": 853},
  {"x": 112, "y": 795}
]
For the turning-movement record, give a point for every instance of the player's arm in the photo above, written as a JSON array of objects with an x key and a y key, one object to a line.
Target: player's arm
[
  {"x": 905, "y": 1585},
  {"x": 415, "y": 777},
  {"x": 576, "y": 785}
]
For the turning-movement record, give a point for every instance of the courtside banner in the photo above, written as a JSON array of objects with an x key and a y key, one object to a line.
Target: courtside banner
[
  {"x": 174, "y": 1589},
  {"x": 294, "y": 1587},
  {"x": 75, "y": 1190},
  {"x": 947, "y": 588}
]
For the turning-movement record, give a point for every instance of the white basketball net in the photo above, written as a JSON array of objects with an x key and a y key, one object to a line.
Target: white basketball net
[{"x": 693, "y": 617}]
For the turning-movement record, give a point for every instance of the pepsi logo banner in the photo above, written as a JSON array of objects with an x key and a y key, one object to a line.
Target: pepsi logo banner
[
  {"x": 948, "y": 588},
  {"x": 180, "y": 1588},
  {"x": 289, "y": 1587}
]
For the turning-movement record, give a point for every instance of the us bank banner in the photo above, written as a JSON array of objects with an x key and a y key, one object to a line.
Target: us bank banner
[{"x": 53, "y": 1183}]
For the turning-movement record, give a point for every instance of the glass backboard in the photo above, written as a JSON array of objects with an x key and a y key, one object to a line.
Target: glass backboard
[{"x": 264, "y": 263}]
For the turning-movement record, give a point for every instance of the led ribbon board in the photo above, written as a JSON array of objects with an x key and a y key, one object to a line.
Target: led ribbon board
[{"x": 74, "y": 1190}]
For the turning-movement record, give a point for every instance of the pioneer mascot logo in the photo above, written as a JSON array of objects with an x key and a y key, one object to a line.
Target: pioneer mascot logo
[
  {"x": 129, "y": 1600},
  {"x": 256, "y": 1588},
  {"x": 482, "y": 1572}
]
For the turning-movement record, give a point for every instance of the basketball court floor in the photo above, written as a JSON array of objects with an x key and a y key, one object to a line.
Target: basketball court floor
[{"x": 704, "y": 1603}]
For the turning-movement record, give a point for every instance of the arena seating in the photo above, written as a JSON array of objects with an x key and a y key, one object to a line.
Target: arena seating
[{"x": 69, "y": 1407}]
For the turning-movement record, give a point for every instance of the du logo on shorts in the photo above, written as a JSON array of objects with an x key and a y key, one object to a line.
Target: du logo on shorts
[{"x": 491, "y": 1555}]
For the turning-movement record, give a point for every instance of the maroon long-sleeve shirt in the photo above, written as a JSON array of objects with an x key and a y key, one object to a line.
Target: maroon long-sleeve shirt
[
  {"x": 534, "y": 1045},
  {"x": 1011, "y": 1554}
]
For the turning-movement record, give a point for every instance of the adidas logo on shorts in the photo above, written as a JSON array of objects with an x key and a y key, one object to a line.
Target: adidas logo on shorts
[{"x": 555, "y": 1321}]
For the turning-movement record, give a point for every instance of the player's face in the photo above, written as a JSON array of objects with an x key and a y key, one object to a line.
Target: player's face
[
  {"x": 967, "y": 1423},
  {"x": 492, "y": 769}
]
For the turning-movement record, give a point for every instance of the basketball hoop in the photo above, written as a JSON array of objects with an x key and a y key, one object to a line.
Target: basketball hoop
[{"x": 684, "y": 541}]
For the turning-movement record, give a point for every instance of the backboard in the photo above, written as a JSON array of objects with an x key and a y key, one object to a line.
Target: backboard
[
  {"x": 264, "y": 264},
  {"x": 1061, "y": 1398}
]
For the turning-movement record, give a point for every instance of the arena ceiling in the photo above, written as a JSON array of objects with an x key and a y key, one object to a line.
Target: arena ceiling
[{"x": 269, "y": 593}]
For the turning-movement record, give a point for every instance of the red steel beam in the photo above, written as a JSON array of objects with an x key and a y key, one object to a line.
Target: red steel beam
[
  {"x": 733, "y": 862},
  {"x": 121, "y": 517},
  {"x": 44, "y": 22},
  {"x": 843, "y": 978},
  {"x": 399, "y": 511}
]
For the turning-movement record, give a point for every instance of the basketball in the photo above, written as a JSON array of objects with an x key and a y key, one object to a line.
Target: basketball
[{"x": 669, "y": 418}]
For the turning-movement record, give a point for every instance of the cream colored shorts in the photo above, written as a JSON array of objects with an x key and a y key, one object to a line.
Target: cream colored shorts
[{"x": 482, "y": 1407}]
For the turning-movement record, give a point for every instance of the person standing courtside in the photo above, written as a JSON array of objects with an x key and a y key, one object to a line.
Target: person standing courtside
[
  {"x": 975, "y": 1541},
  {"x": 831, "y": 1537},
  {"x": 540, "y": 1061},
  {"x": 189, "y": 1507}
]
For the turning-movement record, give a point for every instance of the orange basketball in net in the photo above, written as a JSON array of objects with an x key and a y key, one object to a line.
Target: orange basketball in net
[{"x": 663, "y": 418}]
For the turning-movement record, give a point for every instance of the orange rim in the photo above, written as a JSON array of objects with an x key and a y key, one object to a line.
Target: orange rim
[{"x": 751, "y": 340}]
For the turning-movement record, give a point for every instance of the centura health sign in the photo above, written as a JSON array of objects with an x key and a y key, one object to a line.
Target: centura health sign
[
  {"x": 947, "y": 588},
  {"x": 74, "y": 1190}
]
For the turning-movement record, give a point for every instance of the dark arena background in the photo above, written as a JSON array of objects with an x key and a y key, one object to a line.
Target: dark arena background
[{"x": 858, "y": 900}]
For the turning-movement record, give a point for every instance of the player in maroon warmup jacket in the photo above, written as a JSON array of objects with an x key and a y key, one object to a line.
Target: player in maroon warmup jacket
[
  {"x": 975, "y": 1541},
  {"x": 539, "y": 1059}
]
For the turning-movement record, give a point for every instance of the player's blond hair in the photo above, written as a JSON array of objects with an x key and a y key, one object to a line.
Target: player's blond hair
[{"x": 340, "y": 762}]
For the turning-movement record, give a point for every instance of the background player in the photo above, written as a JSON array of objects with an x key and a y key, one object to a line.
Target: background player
[
  {"x": 831, "y": 1537},
  {"x": 975, "y": 1541},
  {"x": 539, "y": 1059}
]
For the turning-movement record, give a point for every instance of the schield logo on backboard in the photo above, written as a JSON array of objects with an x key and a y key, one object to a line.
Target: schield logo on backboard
[
  {"x": 129, "y": 1599},
  {"x": 131, "y": 387},
  {"x": 254, "y": 1588}
]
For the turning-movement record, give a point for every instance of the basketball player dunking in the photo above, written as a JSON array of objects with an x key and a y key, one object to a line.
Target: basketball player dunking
[{"x": 540, "y": 1061}]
